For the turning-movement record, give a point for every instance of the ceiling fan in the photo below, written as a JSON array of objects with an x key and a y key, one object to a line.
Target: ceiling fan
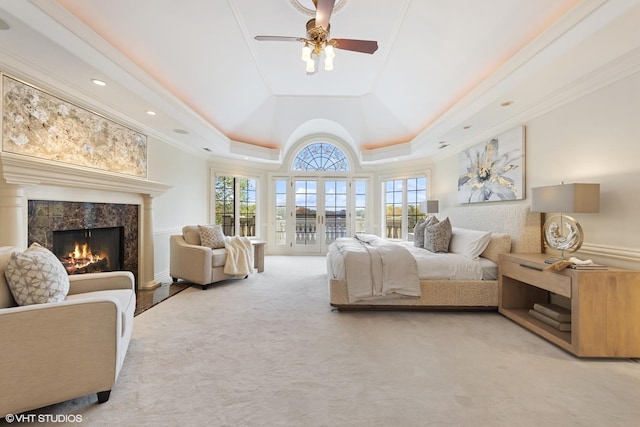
[{"x": 318, "y": 40}]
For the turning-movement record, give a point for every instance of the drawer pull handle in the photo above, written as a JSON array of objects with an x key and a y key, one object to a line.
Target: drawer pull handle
[{"x": 531, "y": 267}]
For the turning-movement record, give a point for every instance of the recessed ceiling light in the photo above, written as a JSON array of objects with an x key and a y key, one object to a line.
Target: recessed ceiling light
[
  {"x": 181, "y": 131},
  {"x": 506, "y": 103},
  {"x": 207, "y": 149},
  {"x": 467, "y": 127},
  {"x": 151, "y": 113},
  {"x": 4, "y": 25},
  {"x": 98, "y": 82}
]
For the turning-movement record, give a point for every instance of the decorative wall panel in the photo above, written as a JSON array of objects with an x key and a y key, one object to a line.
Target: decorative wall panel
[{"x": 41, "y": 125}]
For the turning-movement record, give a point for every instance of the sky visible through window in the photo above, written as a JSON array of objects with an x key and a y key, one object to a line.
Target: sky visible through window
[{"x": 321, "y": 156}]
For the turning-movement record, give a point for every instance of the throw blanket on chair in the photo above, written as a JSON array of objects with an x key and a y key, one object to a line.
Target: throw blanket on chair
[
  {"x": 377, "y": 268},
  {"x": 239, "y": 256}
]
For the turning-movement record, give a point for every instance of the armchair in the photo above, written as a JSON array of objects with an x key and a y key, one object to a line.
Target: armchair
[
  {"x": 193, "y": 262},
  {"x": 58, "y": 351}
]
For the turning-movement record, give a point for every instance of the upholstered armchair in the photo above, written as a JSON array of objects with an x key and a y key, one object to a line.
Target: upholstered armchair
[
  {"x": 56, "y": 351},
  {"x": 199, "y": 256}
]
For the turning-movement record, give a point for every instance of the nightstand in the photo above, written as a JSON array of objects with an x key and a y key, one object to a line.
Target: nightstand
[{"x": 605, "y": 304}]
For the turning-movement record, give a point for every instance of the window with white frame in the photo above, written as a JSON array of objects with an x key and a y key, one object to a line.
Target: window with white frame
[
  {"x": 321, "y": 156},
  {"x": 236, "y": 205},
  {"x": 402, "y": 205}
]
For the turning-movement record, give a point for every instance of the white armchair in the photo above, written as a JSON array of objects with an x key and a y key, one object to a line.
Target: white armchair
[
  {"x": 193, "y": 262},
  {"x": 58, "y": 351}
]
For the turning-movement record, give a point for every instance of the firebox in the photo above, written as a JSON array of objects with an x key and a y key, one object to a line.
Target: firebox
[{"x": 90, "y": 250}]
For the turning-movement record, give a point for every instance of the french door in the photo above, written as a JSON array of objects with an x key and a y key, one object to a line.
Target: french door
[{"x": 311, "y": 212}]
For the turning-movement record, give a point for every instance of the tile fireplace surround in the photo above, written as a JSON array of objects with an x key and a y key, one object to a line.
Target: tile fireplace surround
[
  {"x": 46, "y": 217},
  {"x": 24, "y": 178}
]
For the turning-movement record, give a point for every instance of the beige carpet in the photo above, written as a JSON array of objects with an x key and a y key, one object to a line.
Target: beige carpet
[{"x": 269, "y": 351}]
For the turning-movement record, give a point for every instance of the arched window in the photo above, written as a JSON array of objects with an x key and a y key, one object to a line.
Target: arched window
[{"x": 321, "y": 156}]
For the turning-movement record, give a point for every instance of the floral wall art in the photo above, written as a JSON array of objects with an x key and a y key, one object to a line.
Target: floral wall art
[
  {"x": 41, "y": 125},
  {"x": 493, "y": 170}
]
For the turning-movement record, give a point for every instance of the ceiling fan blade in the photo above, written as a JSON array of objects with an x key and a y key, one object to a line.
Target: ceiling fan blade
[
  {"x": 277, "y": 38},
  {"x": 364, "y": 46},
  {"x": 324, "y": 9}
]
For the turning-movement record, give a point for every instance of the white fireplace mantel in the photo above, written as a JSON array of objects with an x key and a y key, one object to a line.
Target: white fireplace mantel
[
  {"x": 22, "y": 170},
  {"x": 18, "y": 172}
]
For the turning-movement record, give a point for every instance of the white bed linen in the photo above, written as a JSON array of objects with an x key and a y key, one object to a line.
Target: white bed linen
[
  {"x": 376, "y": 268},
  {"x": 431, "y": 266}
]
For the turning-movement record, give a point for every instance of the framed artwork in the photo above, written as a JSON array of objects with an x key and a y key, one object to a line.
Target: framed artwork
[
  {"x": 38, "y": 124},
  {"x": 493, "y": 170}
]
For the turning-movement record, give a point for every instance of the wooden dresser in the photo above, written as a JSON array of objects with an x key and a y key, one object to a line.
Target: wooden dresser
[{"x": 605, "y": 304}]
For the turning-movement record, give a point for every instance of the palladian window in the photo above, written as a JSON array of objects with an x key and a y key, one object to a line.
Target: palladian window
[{"x": 321, "y": 156}]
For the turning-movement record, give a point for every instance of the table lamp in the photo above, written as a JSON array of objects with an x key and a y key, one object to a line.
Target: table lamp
[
  {"x": 429, "y": 206},
  {"x": 562, "y": 232}
]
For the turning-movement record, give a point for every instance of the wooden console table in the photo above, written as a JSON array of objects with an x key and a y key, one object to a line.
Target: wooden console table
[{"x": 605, "y": 304}]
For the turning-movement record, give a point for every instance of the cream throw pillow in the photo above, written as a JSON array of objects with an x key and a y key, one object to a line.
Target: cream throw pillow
[
  {"x": 212, "y": 236},
  {"x": 36, "y": 276}
]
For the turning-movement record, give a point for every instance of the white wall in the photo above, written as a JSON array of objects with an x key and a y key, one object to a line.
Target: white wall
[
  {"x": 595, "y": 139},
  {"x": 186, "y": 202}
]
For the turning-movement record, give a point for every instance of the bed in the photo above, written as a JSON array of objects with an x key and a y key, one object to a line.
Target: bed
[{"x": 468, "y": 290}]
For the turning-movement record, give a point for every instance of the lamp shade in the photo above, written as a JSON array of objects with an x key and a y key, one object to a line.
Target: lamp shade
[
  {"x": 571, "y": 198},
  {"x": 429, "y": 206}
]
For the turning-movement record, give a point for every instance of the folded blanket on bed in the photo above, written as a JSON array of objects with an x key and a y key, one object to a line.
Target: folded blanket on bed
[
  {"x": 377, "y": 268},
  {"x": 239, "y": 256}
]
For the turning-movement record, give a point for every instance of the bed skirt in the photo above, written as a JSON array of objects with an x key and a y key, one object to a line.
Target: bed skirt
[{"x": 443, "y": 294}]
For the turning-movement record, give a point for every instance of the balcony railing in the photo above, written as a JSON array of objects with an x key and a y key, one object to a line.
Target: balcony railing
[{"x": 307, "y": 232}]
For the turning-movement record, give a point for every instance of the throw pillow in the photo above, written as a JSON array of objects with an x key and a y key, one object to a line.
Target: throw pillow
[
  {"x": 212, "y": 236},
  {"x": 36, "y": 276},
  {"x": 418, "y": 230},
  {"x": 437, "y": 236},
  {"x": 470, "y": 243}
]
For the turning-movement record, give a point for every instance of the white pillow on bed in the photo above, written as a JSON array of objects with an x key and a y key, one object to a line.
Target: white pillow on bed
[{"x": 470, "y": 243}]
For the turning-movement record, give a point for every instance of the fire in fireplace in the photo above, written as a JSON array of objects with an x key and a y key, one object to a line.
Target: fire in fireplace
[{"x": 90, "y": 250}]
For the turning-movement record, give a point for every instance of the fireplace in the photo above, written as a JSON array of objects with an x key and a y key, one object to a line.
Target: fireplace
[
  {"x": 38, "y": 196},
  {"x": 90, "y": 250},
  {"x": 87, "y": 237}
]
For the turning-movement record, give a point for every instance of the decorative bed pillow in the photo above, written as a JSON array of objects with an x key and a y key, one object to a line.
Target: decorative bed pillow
[
  {"x": 212, "y": 236},
  {"x": 36, "y": 276},
  {"x": 470, "y": 243},
  {"x": 437, "y": 235},
  {"x": 418, "y": 230},
  {"x": 500, "y": 243}
]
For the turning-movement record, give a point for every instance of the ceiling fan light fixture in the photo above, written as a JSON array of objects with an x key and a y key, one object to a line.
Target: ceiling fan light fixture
[
  {"x": 318, "y": 38},
  {"x": 306, "y": 52},
  {"x": 328, "y": 50},
  {"x": 311, "y": 65},
  {"x": 328, "y": 63}
]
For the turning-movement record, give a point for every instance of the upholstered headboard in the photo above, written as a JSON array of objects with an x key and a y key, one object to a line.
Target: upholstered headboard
[{"x": 517, "y": 220}]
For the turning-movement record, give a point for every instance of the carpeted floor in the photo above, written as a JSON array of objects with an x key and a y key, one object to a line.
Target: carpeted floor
[{"x": 269, "y": 351}]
